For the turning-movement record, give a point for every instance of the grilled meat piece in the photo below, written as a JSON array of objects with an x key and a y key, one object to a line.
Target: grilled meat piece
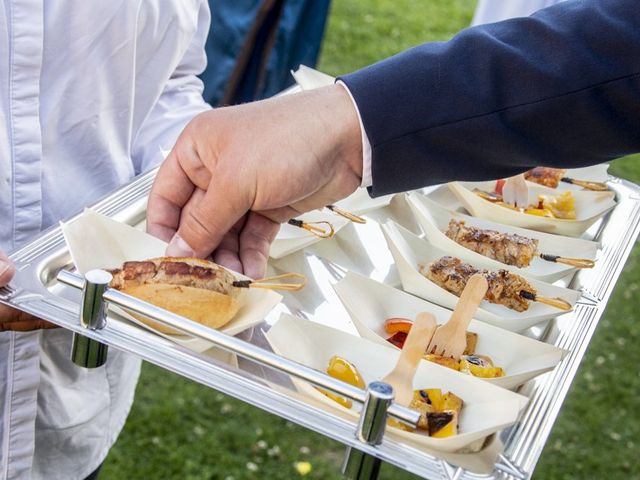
[
  {"x": 512, "y": 249},
  {"x": 547, "y": 176},
  {"x": 505, "y": 287}
]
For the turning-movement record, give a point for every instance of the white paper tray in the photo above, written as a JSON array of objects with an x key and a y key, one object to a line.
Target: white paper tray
[
  {"x": 590, "y": 206},
  {"x": 370, "y": 303},
  {"x": 487, "y": 408}
]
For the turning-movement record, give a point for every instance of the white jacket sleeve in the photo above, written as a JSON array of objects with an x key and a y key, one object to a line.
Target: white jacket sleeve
[{"x": 180, "y": 101}]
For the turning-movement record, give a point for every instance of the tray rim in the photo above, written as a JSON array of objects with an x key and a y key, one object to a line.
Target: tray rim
[{"x": 523, "y": 442}]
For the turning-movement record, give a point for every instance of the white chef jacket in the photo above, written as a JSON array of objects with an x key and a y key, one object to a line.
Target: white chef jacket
[{"x": 90, "y": 93}]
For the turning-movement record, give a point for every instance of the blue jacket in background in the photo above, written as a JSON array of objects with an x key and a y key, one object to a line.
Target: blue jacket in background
[{"x": 253, "y": 45}]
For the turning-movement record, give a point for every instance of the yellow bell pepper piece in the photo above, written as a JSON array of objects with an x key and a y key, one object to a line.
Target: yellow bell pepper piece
[
  {"x": 347, "y": 372},
  {"x": 562, "y": 206},
  {"x": 449, "y": 429},
  {"x": 481, "y": 371},
  {"x": 436, "y": 398},
  {"x": 541, "y": 212}
]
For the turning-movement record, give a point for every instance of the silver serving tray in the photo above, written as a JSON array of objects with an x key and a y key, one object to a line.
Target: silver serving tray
[{"x": 511, "y": 454}]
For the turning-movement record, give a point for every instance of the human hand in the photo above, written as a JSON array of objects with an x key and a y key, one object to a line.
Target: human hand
[
  {"x": 236, "y": 173},
  {"x": 10, "y": 318}
]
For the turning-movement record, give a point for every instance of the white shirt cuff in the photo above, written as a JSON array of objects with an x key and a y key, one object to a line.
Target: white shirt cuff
[{"x": 367, "y": 179}]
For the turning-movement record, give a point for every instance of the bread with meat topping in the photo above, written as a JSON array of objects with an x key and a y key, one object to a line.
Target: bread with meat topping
[{"x": 194, "y": 288}]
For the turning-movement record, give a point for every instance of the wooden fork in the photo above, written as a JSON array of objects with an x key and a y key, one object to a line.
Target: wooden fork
[
  {"x": 450, "y": 338},
  {"x": 401, "y": 377},
  {"x": 516, "y": 191}
]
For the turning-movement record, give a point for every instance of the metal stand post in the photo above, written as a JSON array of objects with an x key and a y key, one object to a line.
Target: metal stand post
[
  {"x": 86, "y": 352},
  {"x": 373, "y": 419}
]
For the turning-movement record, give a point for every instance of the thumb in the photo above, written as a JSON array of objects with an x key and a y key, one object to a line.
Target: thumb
[
  {"x": 203, "y": 226},
  {"x": 7, "y": 270}
]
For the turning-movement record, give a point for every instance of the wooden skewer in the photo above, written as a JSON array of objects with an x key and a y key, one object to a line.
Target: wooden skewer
[
  {"x": 596, "y": 186},
  {"x": 326, "y": 232},
  {"x": 292, "y": 287},
  {"x": 348, "y": 215},
  {"x": 452, "y": 266},
  {"x": 484, "y": 233},
  {"x": 574, "y": 262},
  {"x": 553, "y": 302}
]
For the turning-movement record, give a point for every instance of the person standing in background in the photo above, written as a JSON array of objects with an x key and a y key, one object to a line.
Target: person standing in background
[{"x": 91, "y": 93}]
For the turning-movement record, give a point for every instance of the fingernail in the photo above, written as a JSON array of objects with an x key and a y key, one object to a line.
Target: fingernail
[{"x": 179, "y": 248}]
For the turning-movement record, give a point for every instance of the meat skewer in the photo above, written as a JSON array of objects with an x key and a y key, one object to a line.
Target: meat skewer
[
  {"x": 505, "y": 288},
  {"x": 191, "y": 287},
  {"x": 193, "y": 272},
  {"x": 509, "y": 248},
  {"x": 551, "y": 177}
]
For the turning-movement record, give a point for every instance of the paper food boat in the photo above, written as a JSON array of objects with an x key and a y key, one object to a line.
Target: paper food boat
[
  {"x": 97, "y": 241},
  {"x": 291, "y": 239},
  {"x": 486, "y": 409},
  {"x": 594, "y": 173},
  {"x": 434, "y": 221},
  {"x": 410, "y": 251},
  {"x": 590, "y": 206},
  {"x": 370, "y": 303}
]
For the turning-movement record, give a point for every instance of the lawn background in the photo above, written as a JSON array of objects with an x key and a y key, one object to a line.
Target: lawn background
[{"x": 180, "y": 430}]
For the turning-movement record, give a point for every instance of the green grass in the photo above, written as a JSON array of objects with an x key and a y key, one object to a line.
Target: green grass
[
  {"x": 361, "y": 32},
  {"x": 181, "y": 430}
]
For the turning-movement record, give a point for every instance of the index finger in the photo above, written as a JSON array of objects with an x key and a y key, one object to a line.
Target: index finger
[
  {"x": 172, "y": 189},
  {"x": 206, "y": 224}
]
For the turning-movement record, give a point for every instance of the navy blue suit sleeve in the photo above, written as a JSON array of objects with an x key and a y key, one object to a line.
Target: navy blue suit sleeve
[{"x": 560, "y": 88}]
